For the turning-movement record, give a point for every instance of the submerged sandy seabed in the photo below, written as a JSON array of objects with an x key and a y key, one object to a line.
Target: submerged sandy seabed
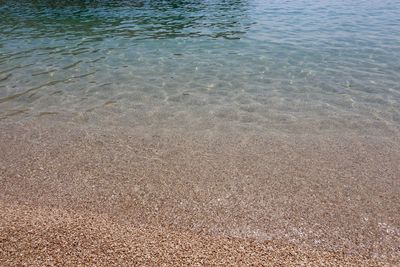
[{"x": 82, "y": 193}]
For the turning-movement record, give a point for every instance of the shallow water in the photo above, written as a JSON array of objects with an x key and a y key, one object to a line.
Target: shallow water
[
  {"x": 290, "y": 66},
  {"x": 268, "y": 120}
]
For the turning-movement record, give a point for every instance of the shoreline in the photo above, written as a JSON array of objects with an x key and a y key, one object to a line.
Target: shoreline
[
  {"x": 43, "y": 236},
  {"x": 311, "y": 192}
]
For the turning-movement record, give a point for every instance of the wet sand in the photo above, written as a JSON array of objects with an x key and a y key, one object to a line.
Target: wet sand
[
  {"x": 42, "y": 236},
  {"x": 77, "y": 193}
]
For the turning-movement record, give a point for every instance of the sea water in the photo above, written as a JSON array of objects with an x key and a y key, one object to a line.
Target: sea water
[{"x": 300, "y": 65}]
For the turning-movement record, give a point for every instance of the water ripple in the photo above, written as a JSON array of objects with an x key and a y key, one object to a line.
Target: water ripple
[{"x": 250, "y": 62}]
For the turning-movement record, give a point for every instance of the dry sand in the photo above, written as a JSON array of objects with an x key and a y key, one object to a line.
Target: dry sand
[{"x": 81, "y": 194}]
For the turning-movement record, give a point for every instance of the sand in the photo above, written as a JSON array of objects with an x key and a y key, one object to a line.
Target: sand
[
  {"x": 104, "y": 195},
  {"x": 41, "y": 236}
]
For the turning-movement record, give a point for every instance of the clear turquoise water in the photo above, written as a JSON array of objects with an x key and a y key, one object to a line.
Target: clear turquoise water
[{"x": 323, "y": 65}]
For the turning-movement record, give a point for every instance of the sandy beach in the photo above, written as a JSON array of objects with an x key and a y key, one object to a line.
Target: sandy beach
[
  {"x": 191, "y": 133},
  {"x": 83, "y": 194},
  {"x": 46, "y": 237}
]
